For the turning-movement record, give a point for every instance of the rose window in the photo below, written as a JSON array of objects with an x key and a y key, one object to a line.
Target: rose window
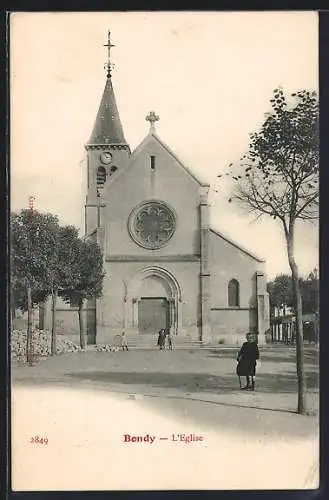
[{"x": 152, "y": 224}]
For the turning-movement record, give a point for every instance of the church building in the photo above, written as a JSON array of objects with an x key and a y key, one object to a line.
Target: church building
[{"x": 165, "y": 266}]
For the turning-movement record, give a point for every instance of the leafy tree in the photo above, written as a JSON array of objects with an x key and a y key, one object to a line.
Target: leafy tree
[
  {"x": 88, "y": 283},
  {"x": 62, "y": 271},
  {"x": 47, "y": 259},
  {"x": 281, "y": 291},
  {"x": 58, "y": 273},
  {"x": 19, "y": 298},
  {"x": 278, "y": 177},
  {"x": 33, "y": 243}
]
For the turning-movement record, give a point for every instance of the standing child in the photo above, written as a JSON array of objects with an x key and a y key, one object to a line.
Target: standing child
[
  {"x": 169, "y": 338},
  {"x": 124, "y": 341},
  {"x": 247, "y": 359}
]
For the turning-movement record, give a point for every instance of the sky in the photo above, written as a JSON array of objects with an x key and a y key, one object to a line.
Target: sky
[{"x": 209, "y": 76}]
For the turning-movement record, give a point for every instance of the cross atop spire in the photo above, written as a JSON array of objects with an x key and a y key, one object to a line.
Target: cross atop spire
[
  {"x": 152, "y": 118},
  {"x": 109, "y": 66}
]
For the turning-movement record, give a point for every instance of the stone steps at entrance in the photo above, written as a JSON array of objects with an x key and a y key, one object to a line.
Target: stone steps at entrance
[{"x": 151, "y": 343}]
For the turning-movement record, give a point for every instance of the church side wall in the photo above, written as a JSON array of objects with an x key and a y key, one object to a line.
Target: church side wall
[{"x": 230, "y": 324}]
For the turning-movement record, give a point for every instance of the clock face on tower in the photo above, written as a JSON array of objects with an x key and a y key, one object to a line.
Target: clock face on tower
[{"x": 106, "y": 157}]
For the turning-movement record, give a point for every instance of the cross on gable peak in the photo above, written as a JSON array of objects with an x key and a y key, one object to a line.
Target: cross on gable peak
[{"x": 152, "y": 118}]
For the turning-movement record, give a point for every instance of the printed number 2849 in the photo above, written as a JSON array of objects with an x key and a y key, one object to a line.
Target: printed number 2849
[{"x": 39, "y": 440}]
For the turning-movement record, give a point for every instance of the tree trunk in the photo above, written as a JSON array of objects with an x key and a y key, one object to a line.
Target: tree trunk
[
  {"x": 53, "y": 323},
  {"x": 82, "y": 325},
  {"x": 301, "y": 378},
  {"x": 29, "y": 346}
]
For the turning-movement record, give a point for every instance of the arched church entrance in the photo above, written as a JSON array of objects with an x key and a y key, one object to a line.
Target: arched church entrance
[{"x": 154, "y": 301}]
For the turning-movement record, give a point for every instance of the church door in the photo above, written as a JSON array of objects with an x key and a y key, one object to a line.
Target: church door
[{"x": 153, "y": 314}]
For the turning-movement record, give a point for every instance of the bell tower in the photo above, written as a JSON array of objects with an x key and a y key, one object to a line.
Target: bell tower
[{"x": 107, "y": 151}]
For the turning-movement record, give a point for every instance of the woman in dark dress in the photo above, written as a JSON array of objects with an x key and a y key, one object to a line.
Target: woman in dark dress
[
  {"x": 162, "y": 339},
  {"x": 247, "y": 359}
]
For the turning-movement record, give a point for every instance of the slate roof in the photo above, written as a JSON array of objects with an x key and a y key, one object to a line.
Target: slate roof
[{"x": 107, "y": 128}]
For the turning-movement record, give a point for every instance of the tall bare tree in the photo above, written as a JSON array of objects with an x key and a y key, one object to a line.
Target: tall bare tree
[{"x": 279, "y": 177}]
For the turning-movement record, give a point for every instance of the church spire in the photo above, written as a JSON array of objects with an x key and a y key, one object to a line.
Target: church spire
[{"x": 107, "y": 128}]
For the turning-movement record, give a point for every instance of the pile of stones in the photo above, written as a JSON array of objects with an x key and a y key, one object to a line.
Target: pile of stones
[
  {"x": 107, "y": 348},
  {"x": 41, "y": 342}
]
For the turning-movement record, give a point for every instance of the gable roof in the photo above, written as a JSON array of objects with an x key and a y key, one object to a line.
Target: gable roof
[
  {"x": 181, "y": 164},
  {"x": 239, "y": 247},
  {"x": 152, "y": 135}
]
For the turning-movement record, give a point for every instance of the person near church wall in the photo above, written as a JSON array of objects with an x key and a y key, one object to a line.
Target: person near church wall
[
  {"x": 162, "y": 339},
  {"x": 247, "y": 360},
  {"x": 169, "y": 338},
  {"x": 124, "y": 341}
]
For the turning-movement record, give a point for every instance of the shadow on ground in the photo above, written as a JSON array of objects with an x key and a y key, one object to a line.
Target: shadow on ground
[
  {"x": 197, "y": 382},
  {"x": 242, "y": 419},
  {"x": 311, "y": 358}
]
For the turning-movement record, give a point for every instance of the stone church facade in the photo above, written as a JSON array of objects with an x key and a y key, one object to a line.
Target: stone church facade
[{"x": 165, "y": 266}]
